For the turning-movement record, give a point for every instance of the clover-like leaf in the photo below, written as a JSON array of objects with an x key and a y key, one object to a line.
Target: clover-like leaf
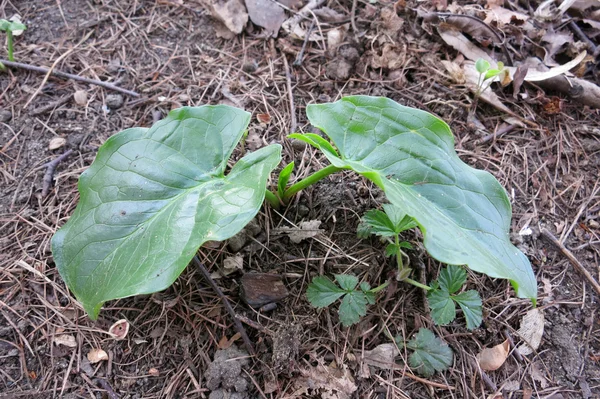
[
  {"x": 443, "y": 309},
  {"x": 482, "y": 66},
  {"x": 470, "y": 303},
  {"x": 464, "y": 213},
  {"x": 322, "y": 292},
  {"x": 430, "y": 353},
  {"x": 353, "y": 307},
  {"x": 152, "y": 197},
  {"x": 451, "y": 278}
]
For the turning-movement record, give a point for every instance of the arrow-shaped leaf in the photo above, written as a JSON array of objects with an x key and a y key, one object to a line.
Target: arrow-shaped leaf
[{"x": 152, "y": 197}]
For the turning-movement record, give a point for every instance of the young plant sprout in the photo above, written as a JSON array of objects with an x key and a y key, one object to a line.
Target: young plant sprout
[{"x": 10, "y": 27}]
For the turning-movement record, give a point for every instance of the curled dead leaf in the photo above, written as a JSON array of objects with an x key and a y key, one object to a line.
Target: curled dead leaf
[
  {"x": 65, "y": 340},
  {"x": 232, "y": 264},
  {"x": 80, "y": 97},
  {"x": 231, "y": 12},
  {"x": 154, "y": 372},
  {"x": 491, "y": 359},
  {"x": 119, "y": 330},
  {"x": 382, "y": 356},
  {"x": 56, "y": 143},
  {"x": 263, "y": 118},
  {"x": 97, "y": 355}
]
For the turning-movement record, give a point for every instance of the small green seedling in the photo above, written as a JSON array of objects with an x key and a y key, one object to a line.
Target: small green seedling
[
  {"x": 430, "y": 354},
  {"x": 487, "y": 74},
  {"x": 388, "y": 224},
  {"x": 10, "y": 27},
  {"x": 322, "y": 292},
  {"x": 443, "y": 298}
]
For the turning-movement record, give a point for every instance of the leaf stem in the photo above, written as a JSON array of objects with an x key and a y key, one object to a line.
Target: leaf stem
[
  {"x": 9, "y": 40},
  {"x": 308, "y": 181},
  {"x": 379, "y": 288},
  {"x": 417, "y": 284},
  {"x": 272, "y": 199}
]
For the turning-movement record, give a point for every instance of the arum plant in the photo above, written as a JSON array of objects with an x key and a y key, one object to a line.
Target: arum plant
[{"x": 153, "y": 196}]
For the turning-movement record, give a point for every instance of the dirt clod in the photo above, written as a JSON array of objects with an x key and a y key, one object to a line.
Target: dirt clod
[
  {"x": 114, "y": 101},
  {"x": 224, "y": 375}
]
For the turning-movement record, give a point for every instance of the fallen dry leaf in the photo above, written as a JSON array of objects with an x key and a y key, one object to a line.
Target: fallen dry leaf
[
  {"x": 491, "y": 359},
  {"x": 305, "y": 230},
  {"x": 327, "y": 14},
  {"x": 232, "y": 264},
  {"x": 266, "y": 14},
  {"x": 392, "y": 57},
  {"x": 154, "y": 372},
  {"x": 531, "y": 331},
  {"x": 65, "y": 340},
  {"x": 502, "y": 16},
  {"x": 382, "y": 356},
  {"x": 56, "y": 143},
  {"x": 534, "y": 75},
  {"x": 119, "y": 330},
  {"x": 332, "y": 382},
  {"x": 97, "y": 355},
  {"x": 263, "y": 118},
  {"x": 80, "y": 97},
  {"x": 231, "y": 12},
  {"x": 554, "y": 43},
  {"x": 462, "y": 44}
]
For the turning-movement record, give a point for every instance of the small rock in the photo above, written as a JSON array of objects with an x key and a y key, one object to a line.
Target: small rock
[
  {"x": 298, "y": 145},
  {"x": 349, "y": 53},
  {"x": 5, "y": 115},
  {"x": 240, "y": 240},
  {"x": 250, "y": 67},
  {"x": 339, "y": 69},
  {"x": 114, "y": 101},
  {"x": 303, "y": 210},
  {"x": 259, "y": 289}
]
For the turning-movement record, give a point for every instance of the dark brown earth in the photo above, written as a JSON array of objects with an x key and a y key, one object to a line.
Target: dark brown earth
[{"x": 170, "y": 54}]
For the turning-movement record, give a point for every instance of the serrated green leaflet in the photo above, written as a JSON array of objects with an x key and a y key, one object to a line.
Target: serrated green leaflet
[
  {"x": 451, "y": 278},
  {"x": 470, "y": 303},
  {"x": 347, "y": 281},
  {"x": 353, "y": 307},
  {"x": 430, "y": 353},
  {"x": 464, "y": 213},
  {"x": 443, "y": 309},
  {"x": 152, "y": 197},
  {"x": 322, "y": 292}
]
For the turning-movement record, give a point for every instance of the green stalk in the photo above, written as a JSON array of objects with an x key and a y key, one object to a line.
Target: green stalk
[
  {"x": 379, "y": 288},
  {"x": 9, "y": 38},
  {"x": 308, "y": 181},
  {"x": 417, "y": 284},
  {"x": 272, "y": 199},
  {"x": 401, "y": 268}
]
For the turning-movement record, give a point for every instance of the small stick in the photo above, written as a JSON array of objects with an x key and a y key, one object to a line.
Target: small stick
[
  {"x": 582, "y": 36},
  {"x": 576, "y": 264},
  {"x": 111, "y": 393},
  {"x": 236, "y": 322},
  {"x": 501, "y": 132},
  {"x": 300, "y": 56},
  {"x": 353, "y": 17},
  {"x": 50, "y": 168},
  {"x": 288, "y": 77},
  {"x": 50, "y": 106},
  {"x": 510, "y": 339},
  {"x": 34, "y": 68}
]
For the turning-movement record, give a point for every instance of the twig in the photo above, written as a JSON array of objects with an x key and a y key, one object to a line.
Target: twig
[
  {"x": 353, "y": 17},
  {"x": 290, "y": 95},
  {"x": 50, "y": 168},
  {"x": 501, "y": 41},
  {"x": 510, "y": 339},
  {"x": 582, "y": 36},
  {"x": 34, "y": 68},
  {"x": 50, "y": 106},
  {"x": 300, "y": 56},
  {"x": 111, "y": 393},
  {"x": 238, "y": 326},
  {"x": 501, "y": 132},
  {"x": 578, "y": 266}
]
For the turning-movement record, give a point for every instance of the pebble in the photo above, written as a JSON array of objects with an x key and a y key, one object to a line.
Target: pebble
[
  {"x": 5, "y": 115},
  {"x": 114, "y": 101}
]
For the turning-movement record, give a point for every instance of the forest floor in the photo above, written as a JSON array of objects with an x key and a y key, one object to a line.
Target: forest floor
[{"x": 546, "y": 153}]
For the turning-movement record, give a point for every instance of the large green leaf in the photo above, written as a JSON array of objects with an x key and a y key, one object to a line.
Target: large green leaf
[
  {"x": 464, "y": 213},
  {"x": 152, "y": 197}
]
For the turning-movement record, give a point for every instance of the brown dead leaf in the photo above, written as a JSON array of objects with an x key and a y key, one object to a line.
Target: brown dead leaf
[
  {"x": 501, "y": 16},
  {"x": 65, "y": 340},
  {"x": 391, "y": 23},
  {"x": 491, "y": 359},
  {"x": 461, "y": 43},
  {"x": 232, "y": 264},
  {"x": 392, "y": 57},
  {"x": 537, "y": 375},
  {"x": 554, "y": 43},
  {"x": 56, "y": 143},
  {"x": 327, "y": 14},
  {"x": 232, "y": 13},
  {"x": 119, "y": 330},
  {"x": 154, "y": 372},
  {"x": 266, "y": 14},
  {"x": 332, "y": 382},
  {"x": 457, "y": 74},
  {"x": 382, "y": 356},
  {"x": 263, "y": 118},
  {"x": 97, "y": 355},
  {"x": 531, "y": 331},
  {"x": 519, "y": 78}
]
